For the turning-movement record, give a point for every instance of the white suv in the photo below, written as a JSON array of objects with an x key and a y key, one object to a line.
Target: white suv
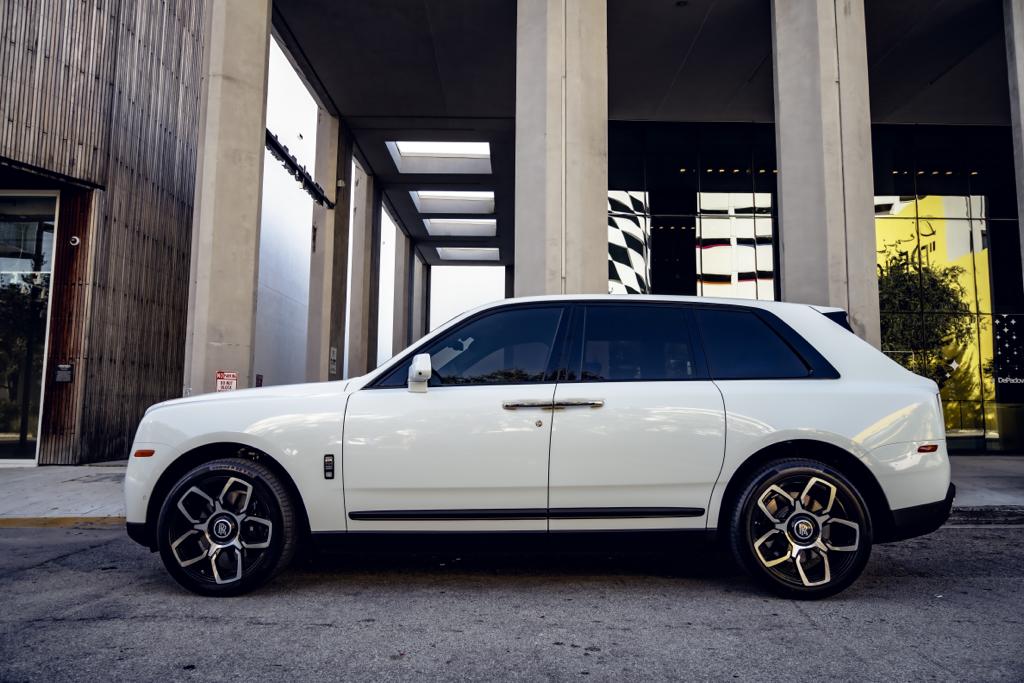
[{"x": 770, "y": 423}]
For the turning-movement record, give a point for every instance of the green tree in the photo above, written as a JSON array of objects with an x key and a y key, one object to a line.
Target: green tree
[{"x": 926, "y": 317}]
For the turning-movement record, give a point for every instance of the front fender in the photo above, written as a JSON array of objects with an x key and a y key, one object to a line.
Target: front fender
[{"x": 296, "y": 432}]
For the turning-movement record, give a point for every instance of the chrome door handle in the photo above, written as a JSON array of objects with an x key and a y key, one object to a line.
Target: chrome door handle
[
  {"x": 554, "y": 405},
  {"x": 580, "y": 403},
  {"x": 526, "y": 403}
]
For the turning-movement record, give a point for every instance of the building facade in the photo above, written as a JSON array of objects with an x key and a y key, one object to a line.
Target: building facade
[
  {"x": 100, "y": 117},
  {"x": 855, "y": 153}
]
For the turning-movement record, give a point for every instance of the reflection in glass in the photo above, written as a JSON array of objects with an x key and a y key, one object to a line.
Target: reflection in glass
[
  {"x": 933, "y": 280},
  {"x": 690, "y": 210},
  {"x": 26, "y": 260},
  {"x": 732, "y": 238},
  {"x": 629, "y": 268}
]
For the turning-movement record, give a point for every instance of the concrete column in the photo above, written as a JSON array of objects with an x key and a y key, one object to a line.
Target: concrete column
[
  {"x": 1013, "y": 19},
  {"x": 229, "y": 183},
  {"x": 823, "y": 136},
  {"x": 418, "y": 319},
  {"x": 328, "y": 269},
  {"x": 403, "y": 290},
  {"x": 365, "y": 244},
  {"x": 561, "y": 147}
]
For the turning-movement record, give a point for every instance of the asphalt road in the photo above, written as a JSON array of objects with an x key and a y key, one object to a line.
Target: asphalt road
[{"x": 77, "y": 604}]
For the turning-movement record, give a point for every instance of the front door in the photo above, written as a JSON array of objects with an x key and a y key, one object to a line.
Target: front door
[
  {"x": 639, "y": 430},
  {"x": 27, "y": 223},
  {"x": 471, "y": 452}
]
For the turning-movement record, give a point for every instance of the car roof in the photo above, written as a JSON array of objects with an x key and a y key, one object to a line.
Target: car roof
[{"x": 646, "y": 298}]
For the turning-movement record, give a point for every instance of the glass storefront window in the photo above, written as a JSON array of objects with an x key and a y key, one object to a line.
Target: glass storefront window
[
  {"x": 26, "y": 261},
  {"x": 933, "y": 282},
  {"x": 735, "y": 250},
  {"x": 629, "y": 236},
  {"x": 690, "y": 210}
]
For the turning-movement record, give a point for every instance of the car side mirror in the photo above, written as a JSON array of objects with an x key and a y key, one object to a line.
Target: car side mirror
[{"x": 420, "y": 373}]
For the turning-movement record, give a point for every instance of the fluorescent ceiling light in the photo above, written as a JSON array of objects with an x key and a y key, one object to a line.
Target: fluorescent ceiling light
[
  {"x": 468, "y": 253},
  {"x": 439, "y": 156},
  {"x": 461, "y": 227},
  {"x": 452, "y": 201}
]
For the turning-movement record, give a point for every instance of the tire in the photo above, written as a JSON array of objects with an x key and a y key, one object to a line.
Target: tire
[
  {"x": 805, "y": 508},
  {"x": 226, "y": 528}
]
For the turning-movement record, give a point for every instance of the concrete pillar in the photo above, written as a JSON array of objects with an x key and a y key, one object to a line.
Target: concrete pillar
[
  {"x": 403, "y": 290},
  {"x": 365, "y": 245},
  {"x": 561, "y": 147},
  {"x": 1013, "y": 19},
  {"x": 328, "y": 269},
  {"x": 420, "y": 291},
  {"x": 823, "y": 136},
  {"x": 229, "y": 183}
]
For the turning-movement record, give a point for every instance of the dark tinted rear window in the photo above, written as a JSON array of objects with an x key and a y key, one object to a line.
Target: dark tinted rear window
[
  {"x": 740, "y": 345},
  {"x": 637, "y": 343}
]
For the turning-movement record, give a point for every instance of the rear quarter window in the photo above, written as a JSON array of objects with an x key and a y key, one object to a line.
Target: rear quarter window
[{"x": 740, "y": 345}]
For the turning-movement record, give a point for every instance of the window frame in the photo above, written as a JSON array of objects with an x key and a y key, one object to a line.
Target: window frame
[
  {"x": 567, "y": 348},
  {"x": 555, "y": 355},
  {"x": 818, "y": 367},
  {"x": 576, "y": 343}
]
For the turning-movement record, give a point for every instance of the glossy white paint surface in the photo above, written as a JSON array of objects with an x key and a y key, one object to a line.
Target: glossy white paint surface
[
  {"x": 451, "y": 448},
  {"x": 296, "y": 425},
  {"x": 651, "y": 444}
]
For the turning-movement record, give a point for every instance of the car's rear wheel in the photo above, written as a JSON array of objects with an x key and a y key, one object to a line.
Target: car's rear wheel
[
  {"x": 227, "y": 527},
  {"x": 801, "y": 528}
]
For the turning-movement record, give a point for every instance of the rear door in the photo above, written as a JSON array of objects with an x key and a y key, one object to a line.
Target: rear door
[{"x": 638, "y": 432}]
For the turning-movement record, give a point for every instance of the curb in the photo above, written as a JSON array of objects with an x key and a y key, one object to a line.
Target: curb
[
  {"x": 987, "y": 514},
  {"x": 61, "y": 522}
]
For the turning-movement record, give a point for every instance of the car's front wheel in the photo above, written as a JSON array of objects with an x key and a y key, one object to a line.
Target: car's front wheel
[
  {"x": 227, "y": 527},
  {"x": 802, "y": 528}
]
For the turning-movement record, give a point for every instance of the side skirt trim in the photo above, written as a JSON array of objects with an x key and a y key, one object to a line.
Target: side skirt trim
[{"x": 524, "y": 513}]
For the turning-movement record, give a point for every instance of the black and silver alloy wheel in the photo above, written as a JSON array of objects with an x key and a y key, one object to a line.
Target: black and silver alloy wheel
[
  {"x": 226, "y": 527},
  {"x": 802, "y": 528}
]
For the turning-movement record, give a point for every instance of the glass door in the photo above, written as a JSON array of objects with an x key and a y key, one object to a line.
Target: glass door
[{"x": 27, "y": 223}]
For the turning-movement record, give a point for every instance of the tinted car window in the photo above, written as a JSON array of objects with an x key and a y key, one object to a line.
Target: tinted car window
[
  {"x": 638, "y": 343},
  {"x": 510, "y": 346},
  {"x": 740, "y": 345}
]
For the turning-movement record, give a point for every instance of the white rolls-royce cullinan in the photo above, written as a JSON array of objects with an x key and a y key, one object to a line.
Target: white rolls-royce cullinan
[{"x": 770, "y": 424}]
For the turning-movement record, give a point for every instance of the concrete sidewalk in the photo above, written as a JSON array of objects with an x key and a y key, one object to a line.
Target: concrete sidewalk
[
  {"x": 989, "y": 489},
  {"x": 62, "y": 496}
]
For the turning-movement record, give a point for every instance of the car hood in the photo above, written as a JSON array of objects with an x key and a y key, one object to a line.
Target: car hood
[{"x": 263, "y": 393}]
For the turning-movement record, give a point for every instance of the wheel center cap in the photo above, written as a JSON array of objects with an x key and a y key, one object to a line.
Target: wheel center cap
[
  {"x": 803, "y": 529},
  {"x": 222, "y": 528}
]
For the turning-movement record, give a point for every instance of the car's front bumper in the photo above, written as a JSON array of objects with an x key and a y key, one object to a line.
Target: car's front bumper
[{"x": 919, "y": 520}]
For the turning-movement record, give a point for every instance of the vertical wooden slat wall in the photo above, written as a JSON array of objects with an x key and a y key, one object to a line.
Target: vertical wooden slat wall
[
  {"x": 107, "y": 92},
  {"x": 135, "y": 349},
  {"x": 56, "y": 79}
]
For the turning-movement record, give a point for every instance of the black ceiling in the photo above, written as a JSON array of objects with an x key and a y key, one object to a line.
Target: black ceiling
[
  {"x": 445, "y": 69},
  {"x": 937, "y": 61},
  {"x": 443, "y": 58},
  {"x": 696, "y": 60},
  {"x": 930, "y": 61},
  {"x": 416, "y": 70}
]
